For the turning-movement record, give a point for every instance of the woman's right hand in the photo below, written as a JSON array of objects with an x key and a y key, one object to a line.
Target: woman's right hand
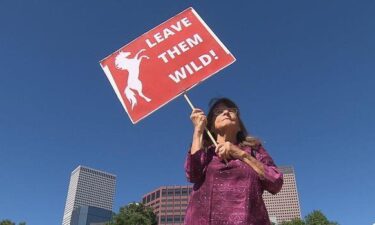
[{"x": 199, "y": 120}]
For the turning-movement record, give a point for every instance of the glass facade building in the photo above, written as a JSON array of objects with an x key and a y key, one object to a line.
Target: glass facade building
[
  {"x": 89, "y": 187},
  {"x": 89, "y": 215}
]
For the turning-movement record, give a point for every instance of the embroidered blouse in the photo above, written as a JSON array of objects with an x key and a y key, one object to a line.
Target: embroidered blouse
[{"x": 229, "y": 194}]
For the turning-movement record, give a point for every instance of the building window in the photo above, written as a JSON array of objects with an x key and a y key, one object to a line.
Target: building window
[
  {"x": 158, "y": 194},
  {"x": 177, "y": 192},
  {"x": 170, "y": 192},
  {"x": 177, "y": 219}
]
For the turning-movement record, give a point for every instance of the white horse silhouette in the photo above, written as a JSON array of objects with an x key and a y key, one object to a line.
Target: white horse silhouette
[{"x": 132, "y": 66}]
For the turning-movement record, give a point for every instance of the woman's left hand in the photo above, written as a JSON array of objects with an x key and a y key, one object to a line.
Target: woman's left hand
[{"x": 228, "y": 150}]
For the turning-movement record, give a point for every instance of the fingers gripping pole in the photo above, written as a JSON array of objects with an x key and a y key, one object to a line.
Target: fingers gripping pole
[{"x": 208, "y": 132}]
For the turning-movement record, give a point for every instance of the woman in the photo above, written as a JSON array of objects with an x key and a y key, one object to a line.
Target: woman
[{"x": 229, "y": 179}]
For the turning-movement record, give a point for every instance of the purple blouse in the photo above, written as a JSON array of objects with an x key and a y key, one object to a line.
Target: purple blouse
[{"x": 231, "y": 194}]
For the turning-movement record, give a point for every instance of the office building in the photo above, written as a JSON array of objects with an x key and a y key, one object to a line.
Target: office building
[
  {"x": 90, "y": 188},
  {"x": 169, "y": 203},
  {"x": 284, "y": 206},
  {"x": 89, "y": 215}
]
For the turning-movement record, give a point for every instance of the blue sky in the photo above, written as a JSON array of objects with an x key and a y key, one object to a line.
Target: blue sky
[{"x": 304, "y": 80}]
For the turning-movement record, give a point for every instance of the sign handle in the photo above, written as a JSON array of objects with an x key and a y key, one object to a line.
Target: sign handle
[{"x": 207, "y": 131}]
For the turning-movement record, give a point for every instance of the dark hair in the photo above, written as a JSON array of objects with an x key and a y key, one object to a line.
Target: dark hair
[{"x": 243, "y": 137}]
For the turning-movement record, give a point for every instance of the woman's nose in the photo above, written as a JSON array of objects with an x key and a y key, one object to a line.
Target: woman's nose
[{"x": 226, "y": 111}]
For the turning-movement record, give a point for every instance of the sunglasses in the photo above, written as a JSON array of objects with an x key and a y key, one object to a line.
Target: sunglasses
[{"x": 218, "y": 112}]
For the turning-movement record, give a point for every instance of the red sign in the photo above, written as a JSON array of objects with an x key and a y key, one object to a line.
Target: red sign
[{"x": 161, "y": 64}]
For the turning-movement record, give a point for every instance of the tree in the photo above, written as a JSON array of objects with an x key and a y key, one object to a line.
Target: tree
[
  {"x": 134, "y": 214},
  {"x": 316, "y": 217},
  {"x": 8, "y": 222},
  {"x": 296, "y": 221}
]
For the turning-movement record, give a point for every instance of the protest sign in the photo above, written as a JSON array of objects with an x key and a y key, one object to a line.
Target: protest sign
[{"x": 164, "y": 62}]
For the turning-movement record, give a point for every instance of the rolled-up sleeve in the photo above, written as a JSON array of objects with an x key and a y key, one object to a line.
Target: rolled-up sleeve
[
  {"x": 273, "y": 178},
  {"x": 195, "y": 166}
]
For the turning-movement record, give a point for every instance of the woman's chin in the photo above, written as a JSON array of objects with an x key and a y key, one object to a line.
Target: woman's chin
[{"x": 227, "y": 126}]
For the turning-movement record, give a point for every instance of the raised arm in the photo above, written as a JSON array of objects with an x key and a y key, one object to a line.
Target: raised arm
[
  {"x": 199, "y": 122},
  {"x": 196, "y": 160}
]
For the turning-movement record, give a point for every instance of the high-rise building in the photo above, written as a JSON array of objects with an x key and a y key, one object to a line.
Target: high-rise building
[
  {"x": 89, "y": 215},
  {"x": 284, "y": 206},
  {"x": 170, "y": 202},
  {"x": 89, "y": 187}
]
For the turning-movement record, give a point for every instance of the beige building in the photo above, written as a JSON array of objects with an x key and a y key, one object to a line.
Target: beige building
[
  {"x": 170, "y": 202},
  {"x": 284, "y": 206}
]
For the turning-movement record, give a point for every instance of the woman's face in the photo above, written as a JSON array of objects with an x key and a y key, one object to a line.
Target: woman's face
[{"x": 225, "y": 119}]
